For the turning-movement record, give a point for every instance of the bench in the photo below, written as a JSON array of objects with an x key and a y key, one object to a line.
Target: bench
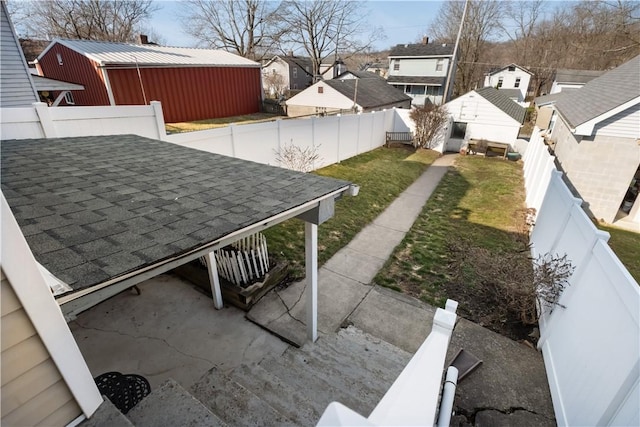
[
  {"x": 402, "y": 137},
  {"x": 494, "y": 147}
]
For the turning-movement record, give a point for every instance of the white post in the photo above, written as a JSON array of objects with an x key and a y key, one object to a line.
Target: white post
[
  {"x": 48, "y": 128},
  {"x": 311, "y": 264},
  {"x": 157, "y": 112},
  {"x": 233, "y": 142},
  {"x": 214, "y": 281},
  {"x": 338, "y": 139}
]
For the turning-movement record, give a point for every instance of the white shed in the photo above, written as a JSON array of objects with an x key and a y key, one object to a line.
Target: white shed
[{"x": 484, "y": 114}]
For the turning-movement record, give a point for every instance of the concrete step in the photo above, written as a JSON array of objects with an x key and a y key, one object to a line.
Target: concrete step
[
  {"x": 277, "y": 393},
  {"x": 234, "y": 403},
  {"x": 171, "y": 405},
  {"x": 107, "y": 415}
]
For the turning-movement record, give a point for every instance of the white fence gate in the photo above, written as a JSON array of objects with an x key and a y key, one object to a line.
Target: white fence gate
[{"x": 591, "y": 348}]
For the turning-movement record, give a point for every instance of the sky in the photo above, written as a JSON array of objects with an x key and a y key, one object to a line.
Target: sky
[{"x": 403, "y": 21}]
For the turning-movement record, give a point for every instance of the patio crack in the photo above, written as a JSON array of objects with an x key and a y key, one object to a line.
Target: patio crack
[
  {"x": 145, "y": 337},
  {"x": 471, "y": 415},
  {"x": 288, "y": 312}
]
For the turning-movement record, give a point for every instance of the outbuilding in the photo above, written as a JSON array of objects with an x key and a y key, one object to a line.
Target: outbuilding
[{"x": 192, "y": 84}]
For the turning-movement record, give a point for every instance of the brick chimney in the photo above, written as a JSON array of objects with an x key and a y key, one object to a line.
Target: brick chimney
[
  {"x": 143, "y": 39},
  {"x": 425, "y": 40}
]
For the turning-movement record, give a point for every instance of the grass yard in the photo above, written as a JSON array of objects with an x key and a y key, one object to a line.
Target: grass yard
[
  {"x": 626, "y": 244},
  {"x": 469, "y": 244},
  {"x": 217, "y": 123},
  {"x": 382, "y": 175}
]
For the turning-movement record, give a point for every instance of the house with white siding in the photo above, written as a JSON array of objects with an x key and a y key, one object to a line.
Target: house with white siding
[
  {"x": 485, "y": 113},
  {"x": 420, "y": 70},
  {"x": 513, "y": 77},
  {"x": 595, "y": 134},
  {"x": 572, "y": 79}
]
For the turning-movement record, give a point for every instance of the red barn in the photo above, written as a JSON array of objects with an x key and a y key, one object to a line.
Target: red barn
[{"x": 192, "y": 84}]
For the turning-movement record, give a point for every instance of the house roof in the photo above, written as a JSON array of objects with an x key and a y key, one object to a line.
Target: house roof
[
  {"x": 551, "y": 98},
  {"x": 601, "y": 94},
  {"x": 576, "y": 76},
  {"x": 128, "y": 54},
  {"x": 511, "y": 93},
  {"x": 371, "y": 92},
  {"x": 360, "y": 75},
  {"x": 503, "y": 102},
  {"x": 96, "y": 208},
  {"x": 44, "y": 83},
  {"x": 425, "y": 80},
  {"x": 497, "y": 70},
  {"x": 421, "y": 49}
]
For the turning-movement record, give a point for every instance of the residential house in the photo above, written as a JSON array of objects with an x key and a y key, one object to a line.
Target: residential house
[
  {"x": 16, "y": 88},
  {"x": 511, "y": 77},
  {"x": 287, "y": 72},
  {"x": 379, "y": 68},
  {"x": 420, "y": 70},
  {"x": 358, "y": 75},
  {"x": 572, "y": 79},
  {"x": 347, "y": 95},
  {"x": 192, "y": 84},
  {"x": 485, "y": 113},
  {"x": 596, "y": 137},
  {"x": 544, "y": 108}
]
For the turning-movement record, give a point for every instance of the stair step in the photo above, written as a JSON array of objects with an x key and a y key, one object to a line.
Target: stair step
[
  {"x": 171, "y": 405},
  {"x": 107, "y": 415},
  {"x": 234, "y": 403},
  {"x": 277, "y": 393}
]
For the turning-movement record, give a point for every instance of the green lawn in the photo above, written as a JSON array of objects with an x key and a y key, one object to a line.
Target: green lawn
[
  {"x": 217, "y": 123},
  {"x": 468, "y": 243},
  {"x": 626, "y": 244},
  {"x": 382, "y": 175}
]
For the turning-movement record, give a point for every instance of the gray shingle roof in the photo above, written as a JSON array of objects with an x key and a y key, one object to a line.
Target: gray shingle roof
[
  {"x": 503, "y": 102},
  {"x": 511, "y": 93},
  {"x": 371, "y": 92},
  {"x": 95, "y": 208},
  {"x": 360, "y": 75},
  {"x": 420, "y": 49},
  {"x": 602, "y": 94},
  {"x": 576, "y": 76},
  {"x": 552, "y": 98},
  {"x": 434, "y": 81}
]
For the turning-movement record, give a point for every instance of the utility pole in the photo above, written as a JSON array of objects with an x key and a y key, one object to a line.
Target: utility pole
[{"x": 453, "y": 63}]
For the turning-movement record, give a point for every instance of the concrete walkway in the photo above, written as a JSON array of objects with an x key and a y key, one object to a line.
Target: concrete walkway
[{"x": 343, "y": 282}]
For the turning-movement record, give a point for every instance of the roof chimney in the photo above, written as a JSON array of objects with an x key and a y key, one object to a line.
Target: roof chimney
[
  {"x": 143, "y": 39},
  {"x": 290, "y": 53},
  {"x": 425, "y": 40}
]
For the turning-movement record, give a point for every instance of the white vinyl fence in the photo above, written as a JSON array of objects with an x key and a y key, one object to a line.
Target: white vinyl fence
[
  {"x": 41, "y": 121},
  {"x": 591, "y": 347}
]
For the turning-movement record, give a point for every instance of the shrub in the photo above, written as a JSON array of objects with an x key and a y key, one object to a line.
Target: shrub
[{"x": 430, "y": 120}]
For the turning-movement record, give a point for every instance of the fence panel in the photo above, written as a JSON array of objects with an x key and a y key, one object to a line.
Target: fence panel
[
  {"x": 327, "y": 140},
  {"x": 257, "y": 141},
  {"x": 218, "y": 141},
  {"x": 20, "y": 123}
]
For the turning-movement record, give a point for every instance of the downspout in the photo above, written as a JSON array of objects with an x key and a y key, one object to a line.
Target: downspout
[{"x": 448, "y": 395}]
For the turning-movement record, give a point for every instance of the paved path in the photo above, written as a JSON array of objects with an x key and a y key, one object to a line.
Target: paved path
[{"x": 343, "y": 282}]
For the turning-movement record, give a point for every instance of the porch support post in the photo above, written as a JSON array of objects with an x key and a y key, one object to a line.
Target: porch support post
[
  {"x": 311, "y": 264},
  {"x": 214, "y": 280}
]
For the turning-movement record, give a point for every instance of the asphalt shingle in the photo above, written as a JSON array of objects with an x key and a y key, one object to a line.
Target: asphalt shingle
[
  {"x": 371, "y": 92},
  {"x": 503, "y": 102},
  {"x": 139, "y": 201}
]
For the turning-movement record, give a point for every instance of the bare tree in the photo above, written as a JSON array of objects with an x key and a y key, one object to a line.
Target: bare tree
[
  {"x": 430, "y": 120},
  {"x": 326, "y": 28},
  {"x": 115, "y": 20},
  {"x": 522, "y": 18},
  {"x": 244, "y": 27},
  {"x": 481, "y": 24},
  {"x": 274, "y": 82}
]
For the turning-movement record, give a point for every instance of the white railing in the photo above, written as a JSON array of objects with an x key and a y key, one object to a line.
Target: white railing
[
  {"x": 591, "y": 348},
  {"x": 413, "y": 399},
  {"x": 41, "y": 121}
]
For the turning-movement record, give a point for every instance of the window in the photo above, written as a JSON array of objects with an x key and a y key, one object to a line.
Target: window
[
  {"x": 396, "y": 65},
  {"x": 295, "y": 72},
  {"x": 459, "y": 130},
  {"x": 500, "y": 81},
  {"x": 59, "y": 56},
  {"x": 295, "y": 86},
  {"x": 434, "y": 90},
  {"x": 320, "y": 89},
  {"x": 68, "y": 97},
  {"x": 407, "y": 89},
  {"x": 417, "y": 90},
  {"x": 273, "y": 70},
  {"x": 517, "y": 84},
  {"x": 439, "y": 64},
  {"x": 512, "y": 67}
]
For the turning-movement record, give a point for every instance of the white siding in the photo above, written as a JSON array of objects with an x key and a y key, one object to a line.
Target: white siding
[
  {"x": 16, "y": 87},
  {"x": 484, "y": 120},
  {"x": 330, "y": 99},
  {"x": 509, "y": 80},
  {"x": 418, "y": 67},
  {"x": 625, "y": 124},
  {"x": 278, "y": 67}
]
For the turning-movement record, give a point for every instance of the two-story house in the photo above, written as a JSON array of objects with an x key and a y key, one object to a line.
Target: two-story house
[
  {"x": 512, "y": 78},
  {"x": 572, "y": 79},
  {"x": 285, "y": 73},
  {"x": 420, "y": 70}
]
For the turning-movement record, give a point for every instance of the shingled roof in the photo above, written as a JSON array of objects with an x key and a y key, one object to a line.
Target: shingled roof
[
  {"x": 421, "y": 49},
  {"x": 564, "y": 75},
  {"x": 426, "y": 80},
  {"x": 371, "y": 92},
  {"x": 503, "y": 102},
  {"x": 96, "y": 208},
  {"x": 602, "y": 94}
]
